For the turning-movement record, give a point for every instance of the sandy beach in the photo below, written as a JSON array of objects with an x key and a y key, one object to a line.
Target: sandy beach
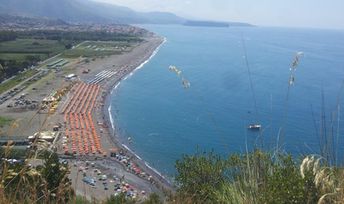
[
  {"x": 123, "y": 65},
  {"x": 133, "y": 60}
]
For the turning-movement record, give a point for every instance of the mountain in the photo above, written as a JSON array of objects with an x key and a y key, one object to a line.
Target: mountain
[
  {"x": 68, "y": 10},
  {"x": 121, "y": 14},
  {"x": 90, "y": 11},
  {"x": 6, "y": 19},
  {"x": 85, "y": 11}
]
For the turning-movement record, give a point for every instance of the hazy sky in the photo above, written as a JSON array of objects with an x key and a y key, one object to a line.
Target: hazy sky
[{"x": 291, "y": 13}]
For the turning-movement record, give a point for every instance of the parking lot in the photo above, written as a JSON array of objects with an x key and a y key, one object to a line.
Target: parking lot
[{"x": 103, "y": 178}]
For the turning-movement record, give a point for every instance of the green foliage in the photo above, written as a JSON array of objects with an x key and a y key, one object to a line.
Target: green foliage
[
  {"x": 15, "y": 153},
  {"x": 283, "y": 184},
  {"x": 29, "y": 45},
  {"x": 77, "y": 36},
  {"x": 74, "y": 53},
  {"x": 24, "y": 184},
  {"x": 21, "y": 183},
  {"x": 7, "y": 36},
  {"x": 153, "y": 199},
  {"x": 230, "y": 193},
  {"x": 55, "y": 174},
  {"x": 68, "y": 46},
  {"x": 16, "y": 80},
  {"x": 52, "y": 171},
  {"x": 4, "y": 121},
  {"x": 81, "y": 200},
  {"x": 119, "y": 199},
  {"x": 199, "y": 175},
  {"x": 19, "y": 54},
  {"x": 257, "y": 177}
]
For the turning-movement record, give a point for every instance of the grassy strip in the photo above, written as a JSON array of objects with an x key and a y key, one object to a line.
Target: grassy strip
[
  {"x": 31, "y": 46},
  {"x": 88, "y": 53},
  {"x": 4, "y": 121},
  {"x": 16, "y": 80},
  {"x": 21, "y": 57}
]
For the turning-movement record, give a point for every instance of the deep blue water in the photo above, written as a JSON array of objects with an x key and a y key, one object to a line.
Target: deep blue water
[{"x": 165, "y": 120}]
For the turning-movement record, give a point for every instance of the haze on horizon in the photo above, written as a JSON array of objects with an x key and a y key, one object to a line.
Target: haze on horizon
[{"x": 291, "y": 13}]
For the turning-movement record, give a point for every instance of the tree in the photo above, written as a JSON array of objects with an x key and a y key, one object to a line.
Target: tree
[
  {"x": 56, "y": 178},
  {"x": 32, "y": 59},
  {"x": 2, "y": 73},
  {"x": 256, "y": 177},
  {"x": 7, "y": 36},
  {"x": 199, "y": 175},
  {"x": 51, "y": 171},
  {"x": 68, "y": 46},
  {"x": 285, "y": 184}
]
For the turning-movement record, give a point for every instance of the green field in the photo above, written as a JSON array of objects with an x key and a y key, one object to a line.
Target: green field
[
  {"x": 21, "y": 57},
  {"x": 88, "y": 53},
  {"x": 99, "y": 49},
  {"x": 32, "y": 46},
  {"x": 21, "y": 50},
  {"x": 19, "y": 54},
  {"x": 4, "y": 121},
  {"x": 16, "y": 80}
]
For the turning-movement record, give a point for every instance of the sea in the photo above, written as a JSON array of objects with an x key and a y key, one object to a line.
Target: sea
[{"x": 238, "y": 76}]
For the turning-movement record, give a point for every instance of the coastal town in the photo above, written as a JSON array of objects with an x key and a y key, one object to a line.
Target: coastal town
[
  {"x": 62, "y": 107},
  {"x": 20, "y": 23}
]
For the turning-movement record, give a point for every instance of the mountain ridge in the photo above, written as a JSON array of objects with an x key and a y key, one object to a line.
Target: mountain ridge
[
  {"x": 84, "y": 11},
  {"x": 89, "y": 11}
]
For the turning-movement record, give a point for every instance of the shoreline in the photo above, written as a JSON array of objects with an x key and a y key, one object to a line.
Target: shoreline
[{"x": 114, "y": 136}]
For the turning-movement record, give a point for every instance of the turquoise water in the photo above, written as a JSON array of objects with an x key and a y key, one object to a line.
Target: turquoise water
[{"x": 165, "y": 120}]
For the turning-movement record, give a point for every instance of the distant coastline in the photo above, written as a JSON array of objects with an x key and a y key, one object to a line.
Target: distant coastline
[{"x": 216, "y": 24}]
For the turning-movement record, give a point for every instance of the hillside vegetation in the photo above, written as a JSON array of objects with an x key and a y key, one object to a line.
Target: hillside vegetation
[
  {"x": 256, "y": 177},
  {"x": 85, "y": 11}
]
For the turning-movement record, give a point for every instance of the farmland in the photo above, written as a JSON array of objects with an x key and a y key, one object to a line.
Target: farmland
[
  {"x": 31, "y": 46},
  {"x": 19, "y": 54}
]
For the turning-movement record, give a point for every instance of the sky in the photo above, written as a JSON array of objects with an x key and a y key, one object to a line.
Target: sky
[{"x": 285, "y": 13}]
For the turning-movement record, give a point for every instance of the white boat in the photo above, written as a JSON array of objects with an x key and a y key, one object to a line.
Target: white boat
[{"x": 255, "y": 127}]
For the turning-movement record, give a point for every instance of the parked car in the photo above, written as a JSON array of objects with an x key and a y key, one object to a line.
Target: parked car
[{"x": 89, "y": 181}]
